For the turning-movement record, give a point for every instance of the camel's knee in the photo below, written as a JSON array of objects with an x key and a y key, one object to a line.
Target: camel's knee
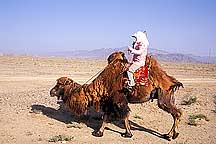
[
  {"x": 164, "y": 103},
  {"x": 163, "y": 100},
  {"x": 170, "y": 108},
  {"x": 177, "y": 113},
  {"x": 161, "y": 104}
]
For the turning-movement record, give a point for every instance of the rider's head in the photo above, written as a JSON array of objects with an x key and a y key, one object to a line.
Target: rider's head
[{"x": 140, "y": 37}]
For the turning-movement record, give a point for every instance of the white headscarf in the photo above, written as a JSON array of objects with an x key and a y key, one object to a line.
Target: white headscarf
[{"x": 141, "y": 37}]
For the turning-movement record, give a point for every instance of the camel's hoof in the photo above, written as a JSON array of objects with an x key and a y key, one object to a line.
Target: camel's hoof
[
  {"x": 97, "y": 134},
  {"x": 175, "y": 135},
  {"x": 127, "y": 135},
  {"x": 167, "y": 137}
]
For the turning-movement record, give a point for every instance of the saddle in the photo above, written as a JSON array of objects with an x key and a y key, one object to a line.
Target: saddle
[{"x": 141, "y": 76}]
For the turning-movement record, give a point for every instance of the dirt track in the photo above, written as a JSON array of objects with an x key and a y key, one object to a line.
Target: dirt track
[{"x": 29, "y": 115}]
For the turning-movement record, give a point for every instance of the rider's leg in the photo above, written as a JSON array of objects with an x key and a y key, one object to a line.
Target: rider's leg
[
  {"x": 130, "y": 72},
  {"x": 131, "y": 81}
]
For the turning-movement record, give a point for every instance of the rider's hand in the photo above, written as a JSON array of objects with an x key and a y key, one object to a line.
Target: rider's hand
[{"x": 129, "y": 48}]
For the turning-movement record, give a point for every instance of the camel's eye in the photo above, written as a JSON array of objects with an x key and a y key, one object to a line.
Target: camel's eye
[{"x": 67, "y": 82}]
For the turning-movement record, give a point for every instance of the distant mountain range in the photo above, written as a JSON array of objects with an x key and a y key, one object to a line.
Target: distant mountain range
[{"x": 103, "y": 53}]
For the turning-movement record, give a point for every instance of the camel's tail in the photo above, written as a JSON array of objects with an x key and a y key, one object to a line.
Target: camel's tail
[{"x": 176, "y": 86}]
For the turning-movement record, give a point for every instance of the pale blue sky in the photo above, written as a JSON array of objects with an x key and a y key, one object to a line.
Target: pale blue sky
[{"x": 41, "y": 26}]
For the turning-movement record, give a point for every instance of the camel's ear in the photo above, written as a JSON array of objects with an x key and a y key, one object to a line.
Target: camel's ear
[{"x": 58, "y": 80}]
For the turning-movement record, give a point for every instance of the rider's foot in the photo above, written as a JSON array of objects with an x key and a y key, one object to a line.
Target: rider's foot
[{"x": 128, "y": 88}]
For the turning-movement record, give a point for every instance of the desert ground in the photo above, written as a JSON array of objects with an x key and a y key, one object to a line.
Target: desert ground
[{"x": 29, "y": 115}]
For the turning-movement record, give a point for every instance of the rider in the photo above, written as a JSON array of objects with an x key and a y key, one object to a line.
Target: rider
[{"x": 139, "y": 51}]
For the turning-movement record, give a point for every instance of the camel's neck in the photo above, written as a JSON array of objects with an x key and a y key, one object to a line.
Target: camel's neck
[
  {"x": 160, "y": 77},
  {"x": 100, "y": 87},
  {"x": 109, "y": 75},
  {"x": 70, "y": 88}
]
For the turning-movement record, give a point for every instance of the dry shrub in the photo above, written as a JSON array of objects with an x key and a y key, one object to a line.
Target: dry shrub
[
  {"x": 60, "y": 138},
  {"x": 74, "y": 125},
  {"x": 192, "y": 119},
  {"x": 190, "y": 101},
  {"x": 138, "y": 117}
]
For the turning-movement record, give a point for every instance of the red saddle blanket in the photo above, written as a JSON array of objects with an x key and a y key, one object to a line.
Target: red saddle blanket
[{"x": 141, "y": 76}]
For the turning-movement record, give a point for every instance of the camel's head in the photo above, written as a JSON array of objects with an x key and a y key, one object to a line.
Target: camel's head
[
  {"x": 120, "y": 56},
  {"x": 59, "y": 89}
]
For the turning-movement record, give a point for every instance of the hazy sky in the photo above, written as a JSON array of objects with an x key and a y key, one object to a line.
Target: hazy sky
[{"x": 39, "y": 26}]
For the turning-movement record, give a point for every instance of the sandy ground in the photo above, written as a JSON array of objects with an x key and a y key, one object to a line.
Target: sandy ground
[{"x": 29, "y": 115}]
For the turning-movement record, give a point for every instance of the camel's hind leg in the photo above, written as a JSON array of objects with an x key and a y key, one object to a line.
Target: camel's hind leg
[
  {"x": 176, "y": 117},
  {"x": 166, "y": 102}
]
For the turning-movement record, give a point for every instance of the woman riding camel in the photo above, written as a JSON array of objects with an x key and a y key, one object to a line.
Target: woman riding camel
[{"x": 139, "y": 51}]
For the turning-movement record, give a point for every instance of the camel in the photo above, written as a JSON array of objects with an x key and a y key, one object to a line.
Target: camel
[
  {"x": 107, "y": 91},
  {"x": 161, "y": 86},
  {"x": 64, "y": 85}
]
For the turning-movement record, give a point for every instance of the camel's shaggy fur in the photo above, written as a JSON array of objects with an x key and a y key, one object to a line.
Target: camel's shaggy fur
[
  {"x": 107, "y": 91},
  {"x": 96, "y": 93}
]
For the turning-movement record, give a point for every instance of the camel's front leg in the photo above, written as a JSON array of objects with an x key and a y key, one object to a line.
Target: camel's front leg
[
  {"x": 166, "y": 102},
  {"x": 128, "y": 133},
  {"x": 172, "y": 133},
  {"x": 99, "y": 133}
]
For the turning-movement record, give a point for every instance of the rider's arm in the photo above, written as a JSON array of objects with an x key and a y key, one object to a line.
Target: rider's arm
[{"x": 140, "y": 50}]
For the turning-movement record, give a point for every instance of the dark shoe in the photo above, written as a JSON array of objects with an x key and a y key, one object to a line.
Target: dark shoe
[{"x": 128, "y": 88}]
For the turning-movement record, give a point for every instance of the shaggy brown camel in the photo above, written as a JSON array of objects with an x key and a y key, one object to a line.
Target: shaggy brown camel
[
  {"x": 107, "y": 91},
  {"x": 99, "y": 93},
  {"x": 161, "y": 86}
]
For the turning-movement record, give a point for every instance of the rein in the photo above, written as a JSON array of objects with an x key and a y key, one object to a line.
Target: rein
[
  {"x": 149, "y": 67},
  {"x": 86, "y": 81},
  {"x": 97, "y": 74}
]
